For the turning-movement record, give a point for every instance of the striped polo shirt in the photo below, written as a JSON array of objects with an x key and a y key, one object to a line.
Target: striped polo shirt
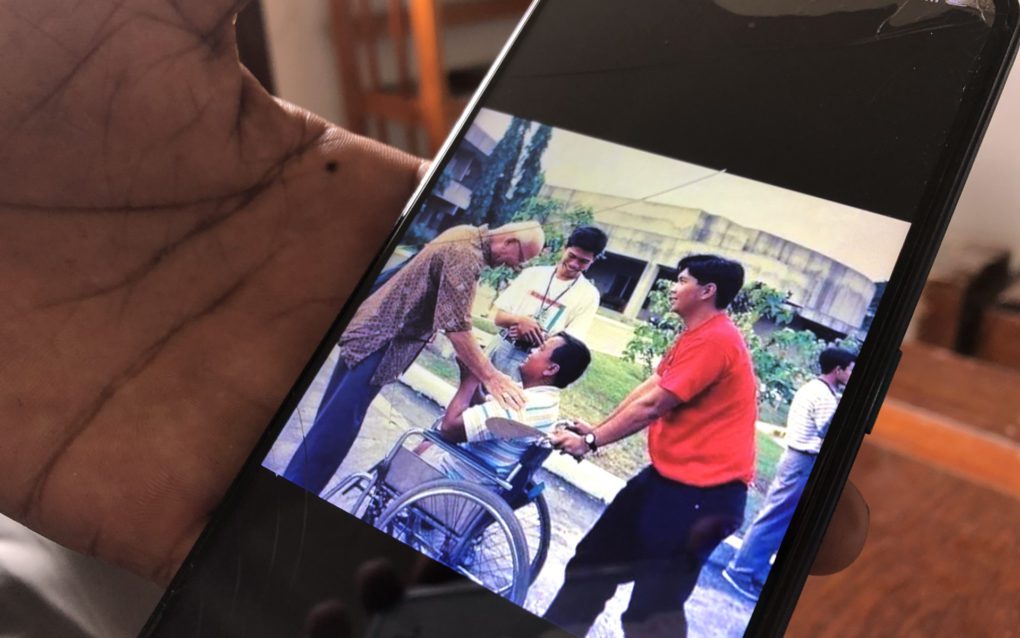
[
  {"x": 810, "y": 412},
  {"x": 541, "y": 411}
]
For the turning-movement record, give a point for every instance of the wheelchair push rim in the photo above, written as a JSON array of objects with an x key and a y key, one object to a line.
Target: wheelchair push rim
[{"x": 467, "y": 528}]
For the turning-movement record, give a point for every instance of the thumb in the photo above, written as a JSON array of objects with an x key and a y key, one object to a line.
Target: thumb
[{"x": 423, "y": 169}]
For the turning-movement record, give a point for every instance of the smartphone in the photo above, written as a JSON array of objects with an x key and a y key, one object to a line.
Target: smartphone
[{"x": 725, "y": 207}]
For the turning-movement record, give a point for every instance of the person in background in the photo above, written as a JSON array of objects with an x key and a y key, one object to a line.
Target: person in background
[
  {"x": 700, "y": 408},
  {"x": 432, "y": 293},
  {"x": 810, "y": 414}
]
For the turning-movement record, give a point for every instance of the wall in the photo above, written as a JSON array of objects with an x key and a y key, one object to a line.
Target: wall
[{"x": 989, "y": 209}]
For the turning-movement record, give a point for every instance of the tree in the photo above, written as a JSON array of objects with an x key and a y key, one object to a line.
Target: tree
[
  {"x": 497, "y": 175},
  {"x": 652, "y": 338},
  {"x": 557, "y": 222},
  {"x": 783, "y": 360},
  {"x": 532, "y": 178}
]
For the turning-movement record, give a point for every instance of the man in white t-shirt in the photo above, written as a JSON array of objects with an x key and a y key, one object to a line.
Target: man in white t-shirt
[
  {"x": 544, "y": 300},
  {"x": 810, "y": 414}
]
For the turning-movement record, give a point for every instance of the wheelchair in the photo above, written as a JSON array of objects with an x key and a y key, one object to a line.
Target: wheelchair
[{"x": 492, "y": 528}]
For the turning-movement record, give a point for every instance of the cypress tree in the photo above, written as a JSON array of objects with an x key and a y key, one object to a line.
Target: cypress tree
[
  {"x": 532, "y": 177},
  {"x": 490, "y": 193}
]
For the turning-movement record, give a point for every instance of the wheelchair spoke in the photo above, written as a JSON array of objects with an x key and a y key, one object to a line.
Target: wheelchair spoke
[{"x": 467, "y": 528}]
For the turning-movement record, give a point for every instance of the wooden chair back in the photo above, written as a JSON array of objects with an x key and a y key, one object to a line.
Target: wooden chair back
[{"x": 412, "y": 30}]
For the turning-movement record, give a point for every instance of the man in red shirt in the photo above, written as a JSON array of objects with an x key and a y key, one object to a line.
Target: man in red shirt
[{"x": 700, "y": 407}]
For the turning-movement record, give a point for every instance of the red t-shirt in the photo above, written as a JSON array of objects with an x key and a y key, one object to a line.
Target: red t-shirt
[{"x": 709, "y": 439}]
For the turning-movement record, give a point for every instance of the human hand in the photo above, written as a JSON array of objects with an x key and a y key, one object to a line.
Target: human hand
[
  {"x": 530, "y": 330},
  {"x": 579, "y": 426},
  {"x": 381, "y": 588},
  {"x": 569, "y": 443},
  {"x": 174, "y": 243},
  {"x": 505, "y": 392}
]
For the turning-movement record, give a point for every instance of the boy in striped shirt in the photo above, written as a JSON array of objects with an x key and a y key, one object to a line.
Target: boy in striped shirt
[{"x": 554, "y": 365}]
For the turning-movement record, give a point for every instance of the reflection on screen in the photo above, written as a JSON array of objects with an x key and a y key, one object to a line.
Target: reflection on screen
[{"x": 700, "y": 325}]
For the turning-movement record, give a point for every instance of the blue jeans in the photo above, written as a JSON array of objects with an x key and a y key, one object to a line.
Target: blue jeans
[
  {"x": 752, "y": 563},
  {"x": 337, "y": 423}
]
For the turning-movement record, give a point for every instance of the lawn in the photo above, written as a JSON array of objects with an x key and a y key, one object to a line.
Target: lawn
[
  {"x": 445, "y": 369},
  {"x": 604, "y": 386}
]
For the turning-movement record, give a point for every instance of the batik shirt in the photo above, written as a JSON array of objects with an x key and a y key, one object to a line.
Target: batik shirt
[{"x": 432, "y": 293}]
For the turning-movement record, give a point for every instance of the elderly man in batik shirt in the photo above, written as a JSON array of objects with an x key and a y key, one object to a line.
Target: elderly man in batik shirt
[{"x": 432, "y": 293}]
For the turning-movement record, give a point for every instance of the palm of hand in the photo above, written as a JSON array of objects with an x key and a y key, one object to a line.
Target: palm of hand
[{"x": 174, "y": 244}]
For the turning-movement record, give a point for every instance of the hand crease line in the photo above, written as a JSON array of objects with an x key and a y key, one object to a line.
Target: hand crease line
[{"x": 109, "y": 391}]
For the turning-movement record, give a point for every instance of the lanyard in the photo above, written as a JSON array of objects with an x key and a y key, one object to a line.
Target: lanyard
[{"x": 542, "y": 307}]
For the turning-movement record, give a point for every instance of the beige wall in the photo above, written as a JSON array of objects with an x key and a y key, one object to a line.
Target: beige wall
[{"x": 989, "y": 210}]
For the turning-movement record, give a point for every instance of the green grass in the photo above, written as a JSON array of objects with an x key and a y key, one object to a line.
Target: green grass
[
  {"x": 445, "y": 369},
  {"x": 604, "y": 386},
  {"x": 768, "y": 456},
  {"x": 771, "y": 414},
  {"x": 485, "y": 325}
]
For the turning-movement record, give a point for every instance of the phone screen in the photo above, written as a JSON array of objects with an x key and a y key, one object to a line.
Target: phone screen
[{"x": 697, "y": 204}]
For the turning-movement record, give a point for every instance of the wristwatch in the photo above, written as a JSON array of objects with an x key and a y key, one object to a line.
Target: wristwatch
[{"x": 589, "y": 440}]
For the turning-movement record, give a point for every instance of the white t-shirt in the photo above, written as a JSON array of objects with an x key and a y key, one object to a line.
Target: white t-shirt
[
  {"x": 810, "y": 412},
  {"x": 568, "y": 306}
]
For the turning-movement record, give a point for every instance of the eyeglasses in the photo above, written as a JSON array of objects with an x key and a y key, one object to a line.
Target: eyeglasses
[{"x": 520, "y": 256}]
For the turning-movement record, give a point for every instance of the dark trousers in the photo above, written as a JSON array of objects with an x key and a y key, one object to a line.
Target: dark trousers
[
  {"x": 337, "y": 423},
  {"x": 657, "y": 533}
]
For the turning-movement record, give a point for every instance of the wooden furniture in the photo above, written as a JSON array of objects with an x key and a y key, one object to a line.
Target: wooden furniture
[
  {"x": 963, "y": 281},
  {"x": 408, "y": 31},
  {"x": 999, "y": 339},
  {"x": 940, "y": 561}
]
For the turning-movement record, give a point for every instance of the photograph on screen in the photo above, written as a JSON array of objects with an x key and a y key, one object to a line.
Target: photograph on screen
[{"x": 593, "y": 379}]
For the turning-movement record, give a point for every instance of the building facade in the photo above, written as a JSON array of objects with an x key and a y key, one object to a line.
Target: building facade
[
  {"x": 646, "y": 240},
  {"x": 445, "y": 206}
]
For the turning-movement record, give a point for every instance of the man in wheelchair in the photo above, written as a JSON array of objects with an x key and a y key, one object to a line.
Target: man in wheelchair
[
  {"x": 551, "y": 367},
  {"x": 476, "y": 510}
]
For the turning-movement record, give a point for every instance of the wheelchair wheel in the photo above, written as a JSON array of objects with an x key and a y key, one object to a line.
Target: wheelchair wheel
[
  {"x": 535, "y": 522},
  {"x": 467, "y": 528}
]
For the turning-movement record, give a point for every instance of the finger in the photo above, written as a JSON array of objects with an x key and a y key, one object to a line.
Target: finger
[
  {"x": 517, "y": 397},
  {"x": 429, "y": 572},
  {"x": 844, "y": 539},
  {"x": 502, "y": 400},
  {"x": 423, "y": 169}
]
